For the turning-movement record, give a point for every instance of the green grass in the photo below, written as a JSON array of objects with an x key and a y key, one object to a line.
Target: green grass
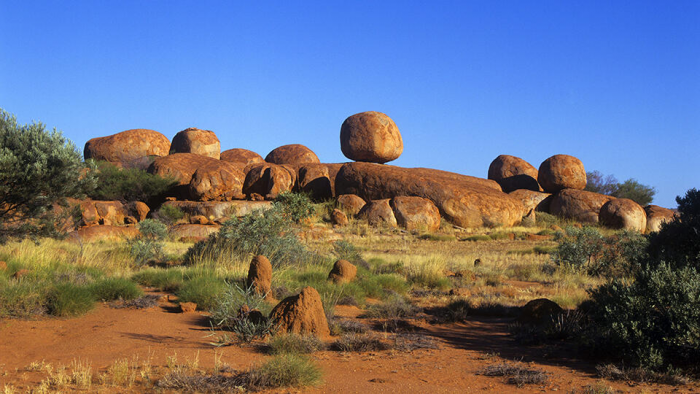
[
  {"x": 294, "y": 344},
  {"x": 203, "y": 291},
  {"x": 67, "y": 300},
  {"x": 286, "y": 370},
  {"x": 110, "y": 289}
]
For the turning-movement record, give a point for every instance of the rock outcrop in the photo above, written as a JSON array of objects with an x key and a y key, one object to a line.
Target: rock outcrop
[
  {"x": 301, "y": 314},
  {"x": 416, "y": 213},
  {"x": 268, "y": 180},
  {"x": 103, "y": 233},
  {"x": 581, "y": 205},
  {"x": 219, "y": 210},
  {"x": 657, "y": 216},
  {"x": 463, "y": 200},
  {"x": 192, "y": 232},
  {"x": 532, "y": 200},
  {"x": 623, "y": 213},
  {"x": 513, "y": 173},
  {"x": 181, "y": 167},
  {"x": 561, "y": 172},
  {"x": 292, "y": 154},
  {"x": 318, "y": 180},
  {"x": 219, "y": 180},
  {"x": 194, "y": 140},
  {"x": 260, "y": 276},
  {"x": 378, "y": 212},
  {"x": 351, "y": 203},
  {"x": 371, "y": 137},
  {"x": 343, "y": 272},
  {"x": 127, "y": 146},
  {"x": 244, "y": 156}
]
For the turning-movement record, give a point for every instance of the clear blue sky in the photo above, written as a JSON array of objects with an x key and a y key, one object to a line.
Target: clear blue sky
[{"x": 614, "y": 83}]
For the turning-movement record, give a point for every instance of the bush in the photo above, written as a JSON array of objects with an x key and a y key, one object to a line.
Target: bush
[
  {"x": 270, "y": 233},
  {"x": 231, "y": 312},
  {"x": 168, "y": 214},
  {"x": 285, "y": 370},
  {"x": 67, "y": 299},
  {"x": 22, "y": 299},
  {"x": 678, "y": 242},
  {"x": 38, "y": 168},
  {"x": 653, "y": 322},
  {"x": 296, "y": 206},
  {"x": 641, "y": 194},
  {"x": 203, "y": 291},
  {"x": 149, "y": 244},
  {"x": 115, "y": 289},
  {"x": 129, "y": 184},
  {"x": 164, "y": 280}
]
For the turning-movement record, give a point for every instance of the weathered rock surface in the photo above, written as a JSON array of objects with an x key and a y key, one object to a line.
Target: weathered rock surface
[
  {"x": 657, "y": 216},
  {"x": 244, "y": 156},
  {"x": 268, "y": 180},
  {"x": 181, "y": 167},
  {"x": 338, "y": 218},
  {"x": 192, "y": 232},
  {"x": 561, "y": 172},
  {"x": 301, "y": 314},
  {"x": 463, "y": 200},
  {"x": 351, "y": 203},
  {"x": 127, "y": 146},
  {"x": 139, "y": 210},
  {"x": 194, "y": 140},
  {"x": 103, "y": 212},
  {"x": 343, "y": 272},
  {"x": 623, "y": 213},
  {"x": 532, "y": 200},
  {"x": 539, "y": 311},
  {"x": 318, "y": 179},
  {"x": 581, "y": 205},
  {"x": 219, "y": 210},
  {"x": 99, "y": 233},
  {"x": 292, "y": 154},
  {"x": 372, "y": 137},
  {"x": 260, "y": 276},
  {"x": 219, "y": 180},
  {"x": 513, "y": 173},
  {"x": 416, "y": 213},
  {"x": 378, "y": 212}
]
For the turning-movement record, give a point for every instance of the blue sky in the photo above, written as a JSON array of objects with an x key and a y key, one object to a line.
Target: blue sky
[{"x": 614, "y": 83}]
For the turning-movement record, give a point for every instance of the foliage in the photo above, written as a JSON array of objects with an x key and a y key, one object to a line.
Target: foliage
[
  {"x": 203, "y": 291},
  {"x": 631, "y": 188},
  {"x": 21, "y": 298},
  {"x": 678, "y": 242},
  {"x": 110, "y": 289},
  {"x": 68, "y": 299},
  {"x": 149, "y": 244},
  {"x": 347, "y": 251},
  {"x": 231, "y": 311},
  {"x": 128, "y": 184},
  {"x": 38, "y": 168},
  {"x": 270, "y": 233},
  {"x": 168, "y": 214},
  {"x": 286, "y": 370},
  {"x": 162, "y": 279},
  {"x": 296, "y": 206},
  {"x": 653, "y": 322},
  {"x": 294, "y": 344},
  {"x": 354, "y": 342}
]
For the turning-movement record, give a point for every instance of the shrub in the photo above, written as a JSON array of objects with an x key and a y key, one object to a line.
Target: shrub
[
  {"x": 38, "y": 168},
  {"x": 269, "y": 233},
  {"x": 22, "y": 299},
  {"x": 149, "y": 244},
  {"x": 129, "y": 184},
  {"x": 294, "y": 344},
  {"x": 517, "y": 374},
  {"x": 641, "y": 194},
  {"x": 347, "y": 251},
  {"x": 287, "y": 370},
  {"x": 115, "y": 289},
  {"x": 354, "y": 342},
  {"x": 231, "y": 312},
  {"x": 653, "y": 322},
  {"x": 67, "y": 299},
  {"x": 204, "y": 291},
  {"x": 168, "y": 214},
  {"x": 678, "y": 242},
  {"x": 296, "y": 206},
  {"x": 394, "y": 308},
  {"x": 162, "y": 279}
]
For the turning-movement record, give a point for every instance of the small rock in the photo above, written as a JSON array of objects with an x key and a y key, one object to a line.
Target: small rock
[
  {"x": 199, "y": 219},
  {"x": 338, "y": 218},
  {"x": 343, "y": 272},
  {"x": 188, "y": 307},
  {"x": 301, "y": 314}
]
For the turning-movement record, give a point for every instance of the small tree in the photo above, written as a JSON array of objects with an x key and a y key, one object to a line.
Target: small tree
[
  {"x": 38, "y": 168},
  {"x": 608, "y": 185},
  {"x": 598, "y": 183},
  {"x": 678, "y": 241}
]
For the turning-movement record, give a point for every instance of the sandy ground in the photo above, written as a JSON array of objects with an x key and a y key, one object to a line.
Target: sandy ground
[{"x": 464, "y": 349}]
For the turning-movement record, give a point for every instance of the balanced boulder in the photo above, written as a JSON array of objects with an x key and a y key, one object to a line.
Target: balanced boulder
[
  {"x": 194, "y": 140},
  {"x": 318, "y": 180},
  {"x": 561, "y": 172},
  {"x": 378, "y": 212},
  {"x": 343, "y": 272},
  {"x": 372, "y": 137},
  {"x": 260, "y": 276},
  {"x": 351, "y": 203},
  {"x": 301, "y": 314},
  {"x": 127, "y": 146},
  {"x": 581, "y": 205},
  {"x": 292, "y": 154},
  {"x": 623, "y": 213},
  {"x": 657, "y": 216},
  {"x": 463, "y": 200},
  {"x": 218, "y": 180},
  {"x": 244, "y": 156},
  {"x": 513, "y": 173},
  {"x": 416, "y": 213}
]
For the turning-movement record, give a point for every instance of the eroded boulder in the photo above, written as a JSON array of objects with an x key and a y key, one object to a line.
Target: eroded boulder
[
  {"x": 244, "y": 156},
  {"x": 416, "y": 213},
  {"x": 343, "y": 272},
  {"x": 561, "y": 172},
  {"x": 351, "y": 203},
  {"x": 657, "y": 216},
  {"x": 338, "y": 218},
  {"x": 318, "y": 180},
  {"x": 371, "y": 137},
  {"x": 194, "y": 140},
  {"x": 513, "y": 173},
  {"x": 218, "y": 180},
  {"x": 623, "y": 213},
  {"x": 581, "y": 205},
  {"x": 532, "y": 200},
  {"x": 181, "y": 167},
  {"x": 378, "y": 212},
  {"x": 128, "y": 146},
  {"x": 268, "y": 180},
  {"x": 292, "y": 154}
]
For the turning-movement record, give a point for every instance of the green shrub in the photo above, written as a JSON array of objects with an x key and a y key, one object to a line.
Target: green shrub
[
  {"x": 169, "y": 214},
  {"x": 270, "y": 233},
  {"x": 162, "y": 279},
  {"x": 395, "y": 307},
  {"x": 149, "y": 244},
  {"x": 287, "y": 370},
  {"x": 111, "y": 289},
  {"x": 296, "y": 206},
  {"x": 653, "y": 322},
  {"x": 641, "y": 194},
  {"x": 67, "y": 299},
  {"x": 204, "y": 291},
  {"x": 347, "y": 251},
  {"x": 231, "y": 312},
  {"x": 678, "y": 242},
  {"x": 294, "y": 344},
  {"x": 129, "y": 184},
  {"x": 38, "y": 168},
  {"x": 22, "y": 298}
]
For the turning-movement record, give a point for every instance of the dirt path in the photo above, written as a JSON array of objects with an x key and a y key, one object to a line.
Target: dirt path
[{"x": 106, "y": 335}]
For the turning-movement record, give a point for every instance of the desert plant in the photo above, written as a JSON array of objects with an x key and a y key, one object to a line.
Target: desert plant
[
  {"x": 296, "y": 206},
  {"x": 631, "y": 188},
  {"x": 517, "y": 374},
  {"x": 356, "y": 342},
  {"x": 286, "y": 370},
  {"x": 149, "y": 244},
  {"x": 168, "y": 214},
  {"x": 678, "y": 241},
  {"x": 38, "y": 168},
  {"x": 205, "y": 291},
  {"x": 67, "y": 299},
  {"x": 22, "y": 298},
  {"x": 294, "y": 344},
  {"x": 395, "y": 307},
  {"x": 162, "y": 279},
  {"x": 129, "y": 184},
  {"x": 110, "y": 289},
  {"x": 232, "y": 311}
]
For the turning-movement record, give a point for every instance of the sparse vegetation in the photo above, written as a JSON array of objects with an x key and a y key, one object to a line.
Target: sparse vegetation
[
  {"x": 129, "y": 184},
  {"x": 517, "y": 374},
  {"x": 631, "y": 188}
]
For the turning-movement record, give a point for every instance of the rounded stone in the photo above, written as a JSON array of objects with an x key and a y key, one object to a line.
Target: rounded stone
[
  {"x": 127, "y": 146},
  {"x": 371, "y": 137},
  {"x": 623, "y": 213},
  {"x": 561, "y": 172},
  {"x": 292, "y": 154},
  {"x": 238, "y": 155},
  {"x": 194, "y": 140},
  {"x": 513, "y": 173}
]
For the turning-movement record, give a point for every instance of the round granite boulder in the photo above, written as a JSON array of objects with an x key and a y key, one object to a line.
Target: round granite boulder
[
  {"x": 513, "y": 173},
  {"x": 127, "y": 146},
  {"x": 561, "y": 172},
  {"x": 292, "y": 154},
  {"x": 371, "y": 137},
  {"x": 194, "y": 140}
]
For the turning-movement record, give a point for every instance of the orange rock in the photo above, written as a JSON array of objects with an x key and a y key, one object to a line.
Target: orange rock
[
  {"x": 244, "y": 156},
  {"x": 216, "y": 180},
  {"x": 338, "y": 218},
  {"x": 260, "y": 276},
  {"x": 194, "y": 140},
  {"x": 3, "y": 265},
  {"x": 561, "y": 172},
  {"x": 623, "y": 213},
  {"x": 513, "y": 173},
  {"x": 292, "y": 154},
  {"x": 127, "y": 146},
  {"x": 416, "y": 213},
  {"x": 267, "y": 179},
  {"x": 343, "y": 272},
  {"x": 657, "y": 216},
  {"x": 301, "y": 314},
  {"x": 378, "y": 212},
  {"x": 351, "y": 203},
  {"x": 188, "y": 307},
  {"x": 371, "y": 137},
  {"x": 581, "y": 205}
]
